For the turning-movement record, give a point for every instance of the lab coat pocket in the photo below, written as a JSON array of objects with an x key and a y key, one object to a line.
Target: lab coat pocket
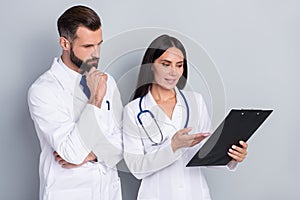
[{"x": 70, "y": 194}]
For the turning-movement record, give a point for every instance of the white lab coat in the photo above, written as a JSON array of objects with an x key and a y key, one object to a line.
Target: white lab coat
[
  {"x": 64, "y": 123},
  {"x": 164, "y": 174}
]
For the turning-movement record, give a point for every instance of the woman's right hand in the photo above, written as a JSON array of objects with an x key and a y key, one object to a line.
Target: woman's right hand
[{"x": 182, "y": 139}]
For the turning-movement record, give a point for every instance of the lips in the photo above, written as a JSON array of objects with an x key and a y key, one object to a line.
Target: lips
[{"x": 171, "y": 81}]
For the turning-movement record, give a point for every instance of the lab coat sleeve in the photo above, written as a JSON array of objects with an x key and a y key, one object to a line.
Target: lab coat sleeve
[
  {"x": 55, "y": 125},
  {"x": 103, "y": 136},
  {"x": 140, "y": 163}
]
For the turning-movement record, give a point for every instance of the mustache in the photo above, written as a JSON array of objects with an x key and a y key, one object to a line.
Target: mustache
[{"x": 95, "y": 59}]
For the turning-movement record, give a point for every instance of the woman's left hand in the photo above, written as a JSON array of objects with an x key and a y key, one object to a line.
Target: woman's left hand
[{"x": 238, "y": 153}]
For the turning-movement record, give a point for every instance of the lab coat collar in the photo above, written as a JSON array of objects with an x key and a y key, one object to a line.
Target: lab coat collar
[
  {"x": 149, "y": 100},
  {"x": 177, "y": 116},
  {"x": 67, "y": 78}
]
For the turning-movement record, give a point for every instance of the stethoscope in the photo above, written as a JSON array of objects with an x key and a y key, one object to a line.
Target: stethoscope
[{"x": 153, "y": 117}]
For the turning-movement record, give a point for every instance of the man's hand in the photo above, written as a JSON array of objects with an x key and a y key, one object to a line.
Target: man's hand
[
  {"x": 67, "y": 165},
  {"x": 96, "y": 82}
]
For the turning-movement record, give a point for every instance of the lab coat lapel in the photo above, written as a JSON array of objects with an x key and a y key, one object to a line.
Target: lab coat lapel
[
  {"x": 71, "y": 87},
  {"x": 78, "y": 93},
  {"x": 67, "y": 83},
  {"x": 60, "y": 75},
  {"x": 179, "y": 114}
]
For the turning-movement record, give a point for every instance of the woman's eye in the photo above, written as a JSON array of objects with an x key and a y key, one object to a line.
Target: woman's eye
[
  {"x": 165, "y": 64},
  {"x": 179, "y": 66}
]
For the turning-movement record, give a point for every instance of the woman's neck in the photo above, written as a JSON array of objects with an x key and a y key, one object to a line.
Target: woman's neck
[
  {"x": 165, "y": 98},
  {"x": 161, "y": 94}
]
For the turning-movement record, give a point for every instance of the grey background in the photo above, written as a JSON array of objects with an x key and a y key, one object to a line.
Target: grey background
[{"x": 254, "y": 45}]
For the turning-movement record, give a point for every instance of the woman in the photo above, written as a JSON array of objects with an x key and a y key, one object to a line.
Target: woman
[{"x": 163, "y": 127}]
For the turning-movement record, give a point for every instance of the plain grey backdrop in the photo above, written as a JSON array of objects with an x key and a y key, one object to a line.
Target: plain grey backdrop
[{"x": 254, "y": 45}]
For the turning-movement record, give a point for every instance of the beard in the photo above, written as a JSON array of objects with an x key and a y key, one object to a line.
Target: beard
[{"x": 86, "y": 65}]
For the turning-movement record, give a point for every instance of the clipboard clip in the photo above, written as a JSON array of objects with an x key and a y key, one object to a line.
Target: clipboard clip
[{"x": 242, "y": 113}]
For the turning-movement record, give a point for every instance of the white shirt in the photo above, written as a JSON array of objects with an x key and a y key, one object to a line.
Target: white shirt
[
  {"x": 164, "y": 173},
  {"x": 65, "y": 123}
]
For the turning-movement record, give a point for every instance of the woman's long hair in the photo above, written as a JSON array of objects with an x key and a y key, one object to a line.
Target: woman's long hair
[{"x": 154, "y": 51}]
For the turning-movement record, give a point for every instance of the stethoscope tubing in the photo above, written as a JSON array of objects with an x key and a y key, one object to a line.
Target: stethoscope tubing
[{"x": 153, "y": 117}]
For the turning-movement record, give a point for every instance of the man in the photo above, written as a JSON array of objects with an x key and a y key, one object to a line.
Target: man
[{"x": 77, "y": 113}]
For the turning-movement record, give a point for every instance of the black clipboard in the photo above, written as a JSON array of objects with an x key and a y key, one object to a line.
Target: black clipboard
[{"x": 238, "y": 125}]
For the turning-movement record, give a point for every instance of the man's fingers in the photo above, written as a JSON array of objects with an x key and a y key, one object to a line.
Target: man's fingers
[
  {"x": 57, "y": 159},
  {"x": 56, "y": 156},
  {"x": 94, "y": 73},
  {"x": 69, "y": 166},
  {"x": 104, "y": 76},
  {"x": 93, "y": 69},
  {"x": 62, "y": 162}
]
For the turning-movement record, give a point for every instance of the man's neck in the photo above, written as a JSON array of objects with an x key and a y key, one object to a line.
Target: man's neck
[{"x": 66, "y": 60}]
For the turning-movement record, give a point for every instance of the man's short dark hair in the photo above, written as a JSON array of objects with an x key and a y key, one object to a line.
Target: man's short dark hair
[{"x": 75, "y": 17}]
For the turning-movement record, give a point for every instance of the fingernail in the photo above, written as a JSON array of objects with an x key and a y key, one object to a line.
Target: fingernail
[{"x": 233, "y": 146}]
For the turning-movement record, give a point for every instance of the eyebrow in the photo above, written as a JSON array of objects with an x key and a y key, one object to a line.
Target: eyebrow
[
  {"x": 86, "y": 45},
  {"x": 170, "y": 61}
]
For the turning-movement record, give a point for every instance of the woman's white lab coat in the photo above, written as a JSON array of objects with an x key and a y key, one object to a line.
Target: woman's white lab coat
[
  {"x": 59, "y": 108},
  {"x": 164, "y": 174}
]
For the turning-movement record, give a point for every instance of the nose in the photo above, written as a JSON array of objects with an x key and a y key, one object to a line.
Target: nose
[
  {"x": 173, "y": 71},
  {"x": 96, "y": 51}
]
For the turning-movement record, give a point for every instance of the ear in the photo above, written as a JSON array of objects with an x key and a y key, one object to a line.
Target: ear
[{"x": 64, "y": 43}]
